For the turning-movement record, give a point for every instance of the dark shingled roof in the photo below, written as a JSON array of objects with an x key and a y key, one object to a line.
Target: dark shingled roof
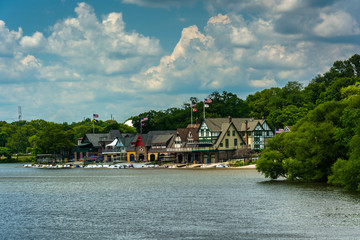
[
  {"x": 161, "y": 139},
  {"x": 183, "y": 133},
  {"x": 154, "y": 137},
  {"x": 126, "y": 138},
  {"x": 215, "y": 124},
  {"x": 94, "y": 138}
]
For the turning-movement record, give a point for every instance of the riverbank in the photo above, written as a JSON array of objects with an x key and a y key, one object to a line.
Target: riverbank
[{"x": 137, "y": 165}]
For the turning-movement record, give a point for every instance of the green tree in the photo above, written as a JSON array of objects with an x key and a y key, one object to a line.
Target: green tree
[
  {"x": 19, "y": 140},
  {"x": 350, "y": 91},
  {"x": 54, "y": 139},
  {"x": 346, "y": 173},
  {"x": 309, "y": 150},
  {"x": 271, "y": 161},
  {"x": 4, "y": 151}
]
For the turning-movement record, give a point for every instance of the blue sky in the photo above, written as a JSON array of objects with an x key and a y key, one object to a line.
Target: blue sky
[{"x": 63, "y": 60}]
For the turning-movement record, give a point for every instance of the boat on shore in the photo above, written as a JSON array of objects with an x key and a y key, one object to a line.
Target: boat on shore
[
  {"x": 49, "y": 166},
  {"x": 134, "y": 165}
]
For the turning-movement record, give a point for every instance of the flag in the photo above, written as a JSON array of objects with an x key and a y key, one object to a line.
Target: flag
[
  {"x": 144, "y": 119},
  {"x": 95, "y": 120},
  {"x": 193, "y": 105},
  {"x": 95, "y": 115},
  {"x": 206, "y": 105},
  {"x": 208, "y": 100},
  {"x": 194, "y": 109}
]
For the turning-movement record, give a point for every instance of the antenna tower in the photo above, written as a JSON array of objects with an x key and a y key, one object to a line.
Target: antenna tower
[{"x": 19, "y": 112}]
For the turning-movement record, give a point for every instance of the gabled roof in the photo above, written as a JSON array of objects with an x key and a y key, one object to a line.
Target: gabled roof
[
  {"x": 161, "y": 139},
  {"x": 154, "y": 137},
  {"x": 139, "y": 141},
  {"x": 183, "y": 133},
  {"x": 224, "y": 128},
  {"x": 94, "y": 138},
  {"x": 126, "y": 138},
  {"x": 215, "y": 124},
  {"x": 260, "y": 125},
  {"x": 194, "y": 134},
  {"x": 287, "y": 128},
  {"x": 150, "y": 136},
  {"x": 114, "y": 134}
]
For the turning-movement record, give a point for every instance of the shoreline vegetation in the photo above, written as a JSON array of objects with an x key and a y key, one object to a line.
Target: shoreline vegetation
[{"x": 322, "y": 146}]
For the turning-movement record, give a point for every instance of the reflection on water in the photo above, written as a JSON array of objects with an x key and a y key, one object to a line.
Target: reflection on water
[{"x": 169, "y": 204}]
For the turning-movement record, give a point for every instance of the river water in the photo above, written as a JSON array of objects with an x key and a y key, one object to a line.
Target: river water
[{"x": 169, "y": 204}]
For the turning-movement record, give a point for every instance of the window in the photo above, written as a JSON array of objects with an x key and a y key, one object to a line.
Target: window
[
  {"x": 233, "y": 132},
  {"x": 257, "y": 133},
  {"x": 235, "y": 141},
  {"x": 221, "y": 144},
  {"x": 228, "y": 132},
  {"x": 207, "y": 132},
  {"x": 227, "y": 143},
  {"x": 202, "y": 132}
]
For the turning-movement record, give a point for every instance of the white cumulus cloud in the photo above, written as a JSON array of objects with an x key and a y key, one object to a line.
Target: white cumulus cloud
[
  {"x": 37, "y": 40},
  {"x": 94, "y": 62},
  {"x": 337, "y": 24}
]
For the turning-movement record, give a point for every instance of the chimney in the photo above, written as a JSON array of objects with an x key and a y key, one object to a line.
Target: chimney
[
  {"x": 262, "y": 118},
  {"x": 197, "y": 120},
  {"x": 230, "y": 119}
]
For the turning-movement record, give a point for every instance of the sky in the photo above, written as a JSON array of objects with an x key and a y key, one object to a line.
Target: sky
[{"x": 64, "y": 60}]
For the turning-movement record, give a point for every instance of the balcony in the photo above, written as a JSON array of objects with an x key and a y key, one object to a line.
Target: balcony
[
  {"x": 179, "y": 149},
  {"x": 113, "y": 151}
]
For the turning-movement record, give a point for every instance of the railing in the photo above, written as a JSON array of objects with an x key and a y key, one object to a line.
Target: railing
[
  {"x": 179, "y": 149},
  {"x": 115, "y": 150}
]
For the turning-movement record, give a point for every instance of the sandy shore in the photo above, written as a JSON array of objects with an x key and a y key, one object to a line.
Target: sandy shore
[{"x": 252, "y": 166}]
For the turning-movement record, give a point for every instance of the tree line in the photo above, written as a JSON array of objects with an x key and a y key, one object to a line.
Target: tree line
[
  {"x": 327, "y": 105},
  {"x": 280, "y": 106},
  {"x": 323, "y": 145},
  {"x": 40, "y": 136}
]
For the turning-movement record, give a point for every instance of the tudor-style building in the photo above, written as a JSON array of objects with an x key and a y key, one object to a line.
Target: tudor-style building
[
  {"x": 185, "y": 141},
  {"x": 257, "y": 133},
  {"x": 219, "y": 138}
]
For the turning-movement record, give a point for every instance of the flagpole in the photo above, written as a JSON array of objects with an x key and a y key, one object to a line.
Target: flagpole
[
  {"x": 93, "y": 126},
  {"x": 140, "y": 126},
  {"x": 191, "y": 110},
  {"x": 204, "y": 110}
]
